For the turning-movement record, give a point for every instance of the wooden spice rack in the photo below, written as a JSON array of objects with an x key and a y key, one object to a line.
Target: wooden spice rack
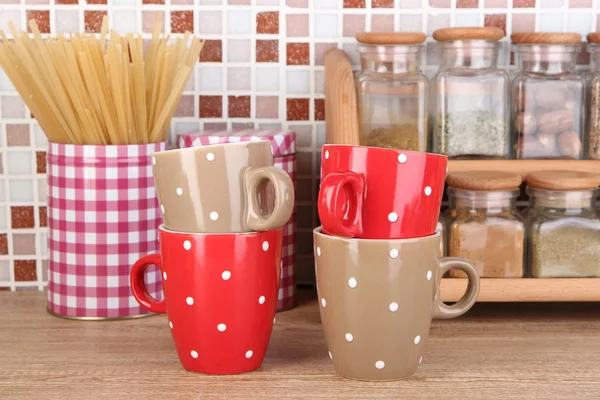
[{"x": 525, "y": 289}]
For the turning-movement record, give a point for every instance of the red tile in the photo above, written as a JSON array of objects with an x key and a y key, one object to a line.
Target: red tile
[
  {"x": 267, "y": 51},
  {"x": 25, "y": 270},
  {"x": 22, "y": 217},
  {"x": 43, "y": 216},
  {"x": 212, "y": 51},
  {"x": 467, "y": 3},
  {"x": 298, "y": 110},
  {"x": 40, "y": 161},
  {"x": 298, "y": 54},
  {"x": 66, "y": 2},
  {"x": 354, "y": 4},
  {"x": 17, "y": 134},
  {"x": 153, "y": 1},
  {"x": 319, "y": 109},
  {"x": 3, "y": 244},
  {"x": 41, "y": 18},
  {"x": 211, "y": 106},
  {"x": 383, "y": 3},
  {"x": 267, "y": 22},
  {"x": 93, "y": 20},
  {"x": 238, "y": 107},
  {"x": 496, "y": 20},
  {"x": 96, "y": 1},
  {"x": 523, "y": 3},
  {"x": 182, "y": 21}
]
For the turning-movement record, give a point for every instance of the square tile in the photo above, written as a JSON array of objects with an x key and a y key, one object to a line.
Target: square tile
[
  {"x": 408, "y": 23},
  {"x": 467, "y": 3},
  {"x": 326, "y": 4},
  {"x": 238, "y": 22},
  {"x": 297, "y": 3},
  {"x": 153, "y": 1},
  {"x": 43, "y": 190},
  {"x": 40, "y": 162},
  {"x": 267, "y": 2},
  {"x": 20, "y": 190},
  {"x": 437, "y": 21},
  {"x": 19, "y": 162},
  {"x": 211, "y": 106},
  {"x": 496, "y": 20},
  {"x": 551, "y": 22},
  {"x": 187, "y": 127},
  {"x": 22, "y": 217},
  {"x": 466, "y": 19},
  {"x": 351, "y": 50},
  {"x": 524, "y": 3},
  {"x": 25, "y": 270},
  {"x": 3, "y": 222},
  {"x": 41, "y": 18},
  {"x": 382, "y": 3},
  {"x": 267, "y": 51},
  {"x": 43, "y": 216},
  {"x": 12, "y": 107},
  {"x": 298, "y": 82},
  {"x": 267, "y": 107},
  {"x": 354, "y": 24},
  {"x": 581, "y": 3},
  {"x": 303, "y": 135},
  {"x": 319, "y": 82},
  {"x": 124, "y": 21},
  {"x": 320, "y": 50},
  {"x": 23, "y": 244},
  {"x": 212, "y": 51},
  {"x": 93, "y": 20},
  {"x": 495, "y": 3},
  {"x": 267, "y": 79},
  {"x": 382, "y": 23},
  {"x": 298, "y": 54},
  {"x": 10, "y": 15},
  {"x": 297, "y": 25},
  {"x": 298, "y": 109},
  {"x": 210, "y": 22},
  {"x": 215, "y": 126},
  {"x": 17, "y": 134},
  {"x": 552, "y": 3},
  {"x": 3, "y": 244},
  {"x": 440, "y": 3},
  {"x": 267, "y": 22},
  {"x": 186, "y": 106},
  {"x": 238, "y": 107},
  {"x": 354, "y": 4},
  {"x": 580, "y": 23},
  {"x": 149, "y": 18},
  {"x": 326, "y": 25},
  {"x": 270, "y": 126},
  {"x": 319, "y": 109},
  {"x": 411, "y": 3},
  {"x": 238, "y": 78},
  {"x": 182, "y": 21},
  {"x": 239, "y": 2},
  {"x": 238, "y": 50},
  {"x": 242, "y": 125},
  {"x": 210, "y": 2},
  {"x": 210, "y": 78},
  {"x": 523, "y": 23}
]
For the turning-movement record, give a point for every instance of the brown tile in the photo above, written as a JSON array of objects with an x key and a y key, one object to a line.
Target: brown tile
[
  {"x": 185, "y": 108},
  {"x": 496, "y": 20},
  {"x": 22, "y": 217},
  {"x": 319, "y": 109},
  {"x": 4, "y": 289},
  {"x": 182, "y": 21},
  {"x": 96, "y": 1},
  {"x": 238, "y": 107},
  {"x": 298, "y": 109},
  {"x": 43, "y": 217},
  {"x": 467, "y": 3},
  {"x": 267, "y": 51},
  {"x": 215, "y": 126},
  {"x": 383, "y": 3},
  {"x": 17, "y": 134},
  {"x": 523, "y": 3},
  {"x": 41, "y": 18},
  {"x": 3, "y": 243},
  {"x": 211, "y": 106},
  {"x": 354, "y": 4},
  {"x": 23, "y": 244},
  {"x": 93, "y": 20},
  {"x": 66, "y": 1},
  {"x": 153, "y": 1},
  {"x": 212, "y": 51},
  {"x": 242, "y": 125},
  {"x": 40, "y": 160},
  {"x": 25, "y": 270},
  {"x": 298, "y": 54},
  {"x": 267, "y": 22}
]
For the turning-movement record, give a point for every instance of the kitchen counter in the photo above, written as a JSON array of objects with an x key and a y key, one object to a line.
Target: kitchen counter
[{"x": 501, "y": 351}]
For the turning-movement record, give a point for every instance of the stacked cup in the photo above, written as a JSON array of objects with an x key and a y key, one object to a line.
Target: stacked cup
[
  {"x": 377, "y": 259},
  {"x": 223, "y": 208}
]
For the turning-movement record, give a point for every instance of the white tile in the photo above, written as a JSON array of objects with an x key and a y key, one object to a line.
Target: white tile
[
  {"x": 10, "y": 15},
  {"x": 67, "y": 21},
  {"x": 551, "y": 22},
  {"x": 298, "y": 82},
  {"x": 3, "y": 224},
  {"x": 326, "y": 4},
  {"x": 123, "y": 2},
  {"x": 4, "y": 270},
  {"x": 326, "y": 25},
  {"x": 40, "y": 137},
  {"x": 273, "y": 126},
  {"x": 238, "y": 22},
  {"x": 410, "y": 23},
  {"x": 238, "y": 50},
  {"x": 210, "y": 2},
  {"x": 210, "y": 22},
  {"x": 42, "y": 190},
  {"x": 210, "y": 78},
  {"x": 580, "y": 23},
  {"x": 267, "y": 79},
  {"x": 124, "y": 21},
  {"x": 187, "y": 127},
  {"x": 552, "y": 3},
  {"x": 21, "y": 190},
  {"x": 19, "y": 162},
  {"x": 319, "y": 82},
  {"x": 238, "y": 78},
  {"x": 470, "y": 19},
  {"x": 2, "y": 194},
  {"x": 5, "y": 83},
  {"x": 411, "y": 3},
  {"x": 43, "y": 243},
  {"x": 352, "y": 50}
]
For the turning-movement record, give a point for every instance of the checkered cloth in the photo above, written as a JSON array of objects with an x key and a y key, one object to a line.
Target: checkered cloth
[
  {"x": 283, "y": 144},
  {"x": 103, "y": 215}
]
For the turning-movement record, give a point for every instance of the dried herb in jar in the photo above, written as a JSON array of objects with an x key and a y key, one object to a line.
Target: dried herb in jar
[
  {"x": 595, "y": 120},
  {"x": 404, "y": 137},
  {"x": 472, "y": 134}
]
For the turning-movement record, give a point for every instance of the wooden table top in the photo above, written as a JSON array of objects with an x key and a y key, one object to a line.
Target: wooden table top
[{"x": 496, "y": 351}]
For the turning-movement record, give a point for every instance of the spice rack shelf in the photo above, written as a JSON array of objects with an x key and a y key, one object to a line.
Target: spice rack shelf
[
  {"x": 525, "y": 289},
  {"x": 523, "y": 167}
]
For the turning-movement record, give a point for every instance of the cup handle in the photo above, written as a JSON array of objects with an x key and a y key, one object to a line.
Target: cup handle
[
  {"x": 332, "y": 211},
  {"x": 284, "y": 198},
  {"x": 443, "y": 311},
  {"x": 138, "y": 287}
]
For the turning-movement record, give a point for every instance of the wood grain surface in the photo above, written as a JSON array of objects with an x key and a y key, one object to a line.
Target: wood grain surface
[
  {"x": 496, "y": 351},
  {"x": 523, "y": 167}
]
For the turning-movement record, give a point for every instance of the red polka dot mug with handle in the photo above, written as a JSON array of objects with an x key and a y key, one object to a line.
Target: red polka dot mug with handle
[
  {"x": 377, "y": 193},
  {"x": 220, "y": 296}
]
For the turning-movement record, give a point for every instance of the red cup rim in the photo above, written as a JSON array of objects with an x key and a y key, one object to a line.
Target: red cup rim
[{"x": 396, "y": 151}]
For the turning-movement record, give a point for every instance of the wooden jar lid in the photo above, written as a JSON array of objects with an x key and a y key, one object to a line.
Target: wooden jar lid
[
  {"x": 593, "y": 37},
  {"x": 471, "y": 33},
  {"x": 484, "y": 180},
  {"x": 563, "y": 180},
  {"x": 390, "y": 38},
  {"x": 545, "y": 38}
]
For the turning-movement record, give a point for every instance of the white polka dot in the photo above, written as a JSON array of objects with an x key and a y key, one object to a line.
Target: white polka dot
[
  {"x": 210, "y": 156},
  {"x": 428, "y": 191},
  {"x": 214, "y": 215},
  {"x": 330, "y": 356},
  {"x": 402, "y": 158},
  {"x": 249, "y": 354},
  {"x": 162, "y": 209},
  {"x": 392, "y": 217},
  {"x": 265, "y": 246},
  {"x": 379, "y": 364},
  {"x": 170, "y": 325},
  {"x": 187, "y": 245},
  {"x": 327, "y": 154},
  {"x": 189, "y": 301},
  {"x": 421, "y": 360},
  {"x": 226, "y": 275},
  {"x": 261, "y": 300},
  {"x": 153, "y": 160},
  {"x": 394, "y": 253},
  {"x": 179, "y": 191},
  {"x": 274, "y": 318},
  {"x": 319, "y": 251},
  {"x": 323, "y": 302},
  {"x": 349, "y": 337},
  {"x": 352, "y": 283},
  {"x": 164, "y": 275},
  {"x": 194, "y": 354},
  {"x": 393, "y": 307},
  {"x": 429, "y": 274},
  {"x": 417, "y": 339},
  {"x": 221, "y": 327},
  {"x": 446, "y": 169}
]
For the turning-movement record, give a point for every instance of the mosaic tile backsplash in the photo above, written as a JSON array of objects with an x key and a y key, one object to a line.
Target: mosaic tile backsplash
[{"x": 261, "y": 67}]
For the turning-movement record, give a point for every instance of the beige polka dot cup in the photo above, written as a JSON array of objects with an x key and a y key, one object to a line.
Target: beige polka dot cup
[
  {"x": 224, "y": 188},
  {"x": 377, "y": 299}
]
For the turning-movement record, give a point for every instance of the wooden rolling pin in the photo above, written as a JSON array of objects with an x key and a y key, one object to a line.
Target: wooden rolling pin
[{"x": 341, "y": 112}]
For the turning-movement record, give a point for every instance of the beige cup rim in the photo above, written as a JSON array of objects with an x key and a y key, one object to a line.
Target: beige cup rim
[
  {"x": 244, "y": 234},
  {"x": 213, "y": 146},
  {"x": 319, "y": 232}
]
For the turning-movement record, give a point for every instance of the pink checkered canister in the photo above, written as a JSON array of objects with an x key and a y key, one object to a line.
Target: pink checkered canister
[
  {"x": 283, "y": 145},
  {"x": 103, "y": 215}
]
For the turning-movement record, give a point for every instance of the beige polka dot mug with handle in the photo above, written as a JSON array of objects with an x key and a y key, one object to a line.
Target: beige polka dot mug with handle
[
  {"x": 377, "y": 299},
  {"x": 224, "y": 188}
]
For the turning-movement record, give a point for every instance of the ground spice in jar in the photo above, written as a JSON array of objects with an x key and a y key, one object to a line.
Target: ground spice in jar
[
  {"x": 594, "y": 135},
  {"x": 404, "y": 137}
]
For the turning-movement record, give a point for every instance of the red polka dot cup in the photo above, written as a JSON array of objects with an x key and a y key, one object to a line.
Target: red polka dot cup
[
  {"x": 376, "y": 193},
  {"x": 220, "y": 296}
]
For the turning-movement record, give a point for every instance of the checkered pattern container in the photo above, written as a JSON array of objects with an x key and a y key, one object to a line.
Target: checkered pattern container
[
  {"x": 283, "y": 144},
  {"x": 103, "y": 215}
]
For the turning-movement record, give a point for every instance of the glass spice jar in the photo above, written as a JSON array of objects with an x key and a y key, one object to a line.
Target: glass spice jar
[
  {"x": 593, "y": 122},
  {"x": 392, "y": 91},
  {"x": 483, "y": 224},
  {"x": 471, "y": 95},
  {"x": 442, "y": 231},
  {"x": 548, "y": 96},
  {"x": 563, "y": 225}
]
